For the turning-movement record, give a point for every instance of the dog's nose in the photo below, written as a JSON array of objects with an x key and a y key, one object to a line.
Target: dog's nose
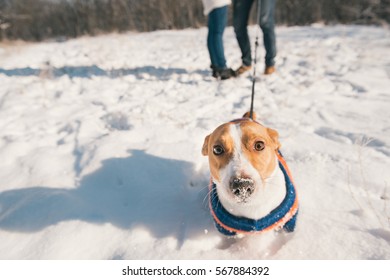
[{"x": 242, "y": 187}]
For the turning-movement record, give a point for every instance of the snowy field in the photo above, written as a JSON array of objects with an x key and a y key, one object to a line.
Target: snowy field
[{"x": 100, "y": 142}]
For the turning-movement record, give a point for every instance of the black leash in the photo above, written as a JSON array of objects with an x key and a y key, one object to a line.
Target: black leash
[{"x": 255, "y": 60}]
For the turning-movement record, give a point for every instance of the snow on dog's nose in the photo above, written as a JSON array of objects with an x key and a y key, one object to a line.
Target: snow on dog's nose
[{"x": 242, "y": 188}]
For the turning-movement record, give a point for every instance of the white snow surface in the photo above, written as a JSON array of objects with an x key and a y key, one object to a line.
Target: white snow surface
[{"x": 100, "y": 142}]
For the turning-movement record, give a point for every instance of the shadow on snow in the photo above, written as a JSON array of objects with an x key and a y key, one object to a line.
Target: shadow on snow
[
  {"x": 138, "y": 191},
  {"x": 93, "y": 70}
]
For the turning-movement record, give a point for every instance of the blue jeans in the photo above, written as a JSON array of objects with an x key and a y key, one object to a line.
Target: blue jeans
[
  {"x": 241, "y": 11},
  {"x": 217, "y": 20}
]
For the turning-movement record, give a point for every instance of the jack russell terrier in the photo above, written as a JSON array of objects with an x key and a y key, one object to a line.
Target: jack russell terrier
[{"x": 251, "y": 189}]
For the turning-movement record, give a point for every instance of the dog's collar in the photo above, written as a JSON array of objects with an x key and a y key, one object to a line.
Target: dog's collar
[{"x": 283, "y": 216}]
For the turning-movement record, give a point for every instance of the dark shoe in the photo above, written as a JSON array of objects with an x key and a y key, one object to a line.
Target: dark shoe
[
  {"x": 214, "y": 69},
  {"x": 226, "y": 73},
  {"x": 269, "y": 70},
  {"x": 242, "y": 69},
  {"x": 222, "y": 73}
]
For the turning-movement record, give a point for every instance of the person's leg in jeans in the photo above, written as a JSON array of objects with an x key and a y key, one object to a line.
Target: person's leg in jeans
[
  {"x": 267, "y": 25},
  {"x": 217, "y": 20},
  {"x": 241, "y": 11}
]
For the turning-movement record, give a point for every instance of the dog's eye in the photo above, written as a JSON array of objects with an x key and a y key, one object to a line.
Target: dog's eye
[
  {"x": 259, "y": 146},
  {"x": 218, "y": 150}
]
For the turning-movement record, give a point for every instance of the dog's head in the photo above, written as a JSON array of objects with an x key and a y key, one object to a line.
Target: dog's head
[{"x": 241, "y": 157}]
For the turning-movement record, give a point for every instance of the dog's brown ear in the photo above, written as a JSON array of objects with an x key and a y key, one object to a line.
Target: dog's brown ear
[
  {"x": 274, "y": 135},
  {"x": 205, "y": 148},
  {"x": 248, "y": 115}
]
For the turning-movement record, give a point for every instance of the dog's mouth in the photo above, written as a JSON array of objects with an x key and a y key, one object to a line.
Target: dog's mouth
[{"x": 242, "y": 189}]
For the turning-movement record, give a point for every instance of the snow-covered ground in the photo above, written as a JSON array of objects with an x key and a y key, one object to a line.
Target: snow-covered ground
[{"x": 100, "y": 143}]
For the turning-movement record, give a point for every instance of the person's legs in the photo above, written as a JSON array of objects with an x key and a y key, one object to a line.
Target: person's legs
[
  {"x": 217, "y": 21},
  {"x": 267, "y": 25},
  {"x": 241, "y": 11}
]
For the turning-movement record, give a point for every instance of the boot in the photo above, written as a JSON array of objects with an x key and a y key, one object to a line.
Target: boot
[
  {"x": 222, "y": 73},
  {"x": 242, "y": 69},
  {"x": 269, "y": 70},
  {"x": 226, "y": 73}
]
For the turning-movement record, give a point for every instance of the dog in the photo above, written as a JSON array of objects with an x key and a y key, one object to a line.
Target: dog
[{"x": 251, "y": 189}]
